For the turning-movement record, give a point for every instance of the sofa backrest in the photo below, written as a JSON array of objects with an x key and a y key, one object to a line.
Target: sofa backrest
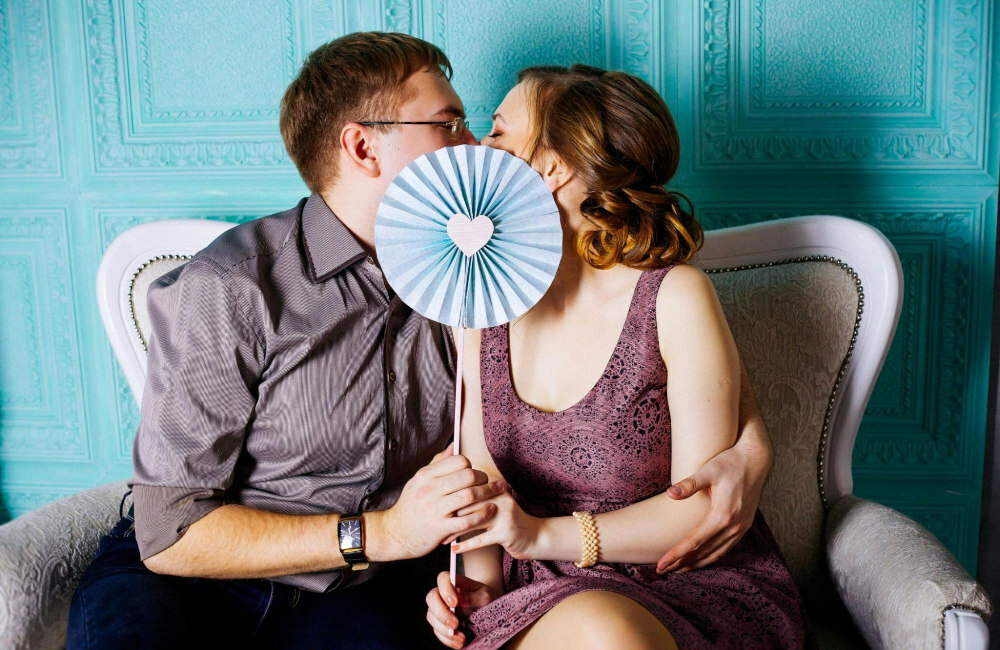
[{"x": 812, "y": 303}]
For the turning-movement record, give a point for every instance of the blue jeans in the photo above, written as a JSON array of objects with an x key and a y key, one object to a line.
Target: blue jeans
[{"x": 122, "y": 604}]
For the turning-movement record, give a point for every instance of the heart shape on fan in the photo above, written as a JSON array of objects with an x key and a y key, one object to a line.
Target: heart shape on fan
[{"x": 470, "y": 234}]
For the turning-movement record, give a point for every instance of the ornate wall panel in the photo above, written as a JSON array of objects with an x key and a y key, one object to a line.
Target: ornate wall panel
[
  {"x": 117, "y": 112},
  {"x": 28, "y": 123},
  {"x": 880, "y": 85},
  {"x": 40, "y": 407},
  {"x": 162, "y": 100}
]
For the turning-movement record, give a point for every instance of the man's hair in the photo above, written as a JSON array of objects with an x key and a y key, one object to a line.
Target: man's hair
[{"x": 358, "y": 77}]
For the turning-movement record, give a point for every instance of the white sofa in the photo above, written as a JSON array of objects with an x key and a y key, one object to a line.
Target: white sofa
[{"x": 813, "y": 303}]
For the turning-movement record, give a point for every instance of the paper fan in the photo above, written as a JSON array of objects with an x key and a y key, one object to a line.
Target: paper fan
[{"x": 469, "y": 236}]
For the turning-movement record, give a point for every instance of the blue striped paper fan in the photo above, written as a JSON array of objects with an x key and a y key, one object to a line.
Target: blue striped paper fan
[{"x": 469, "y": 236}]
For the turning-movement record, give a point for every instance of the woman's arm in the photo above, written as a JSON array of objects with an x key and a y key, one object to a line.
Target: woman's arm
[
  {"x": 484, "y": 565},
  {"x": 734, "y": 479},
  {"x": 703, "y": 396}
]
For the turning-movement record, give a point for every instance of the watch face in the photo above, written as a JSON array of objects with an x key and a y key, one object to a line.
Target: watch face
[{"x": 350, "y": 535}]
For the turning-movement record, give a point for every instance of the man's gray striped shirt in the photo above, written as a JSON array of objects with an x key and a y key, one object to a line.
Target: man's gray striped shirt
[{"x": 283, "y": 375}]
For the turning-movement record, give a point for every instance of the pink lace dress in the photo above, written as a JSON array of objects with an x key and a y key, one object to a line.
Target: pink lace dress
[{"x": 609, "y": 450}]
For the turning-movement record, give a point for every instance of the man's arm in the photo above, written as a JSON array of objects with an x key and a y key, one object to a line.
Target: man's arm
[
  {"x": 737, "y": 477},
  {"x": 204, "y": 364},
  {"x": 235, "y": 541}
]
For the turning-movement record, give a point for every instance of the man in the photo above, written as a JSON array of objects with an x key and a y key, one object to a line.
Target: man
[{"x": 288, "y": 464}]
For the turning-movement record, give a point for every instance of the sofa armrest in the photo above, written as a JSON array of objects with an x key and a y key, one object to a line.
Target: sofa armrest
[
  {"x": 895, "y": 577},
  {"x": 43, "y": 555}
]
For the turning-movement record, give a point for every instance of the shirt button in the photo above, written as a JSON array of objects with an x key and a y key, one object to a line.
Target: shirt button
[
  {"x": 392, "y": 376},
  {"x": 371, "y": 260},
  {"x": 393, "y": 445}
]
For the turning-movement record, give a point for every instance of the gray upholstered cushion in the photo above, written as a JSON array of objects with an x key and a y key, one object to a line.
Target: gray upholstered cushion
[
  {"x": 895, "y": 577},
  {"x": 793, "y": 325},
  {"x": 43, "y": 554}
]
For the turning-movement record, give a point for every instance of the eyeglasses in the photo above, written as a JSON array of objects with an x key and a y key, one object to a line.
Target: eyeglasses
[{"x": 457, "y": 125}]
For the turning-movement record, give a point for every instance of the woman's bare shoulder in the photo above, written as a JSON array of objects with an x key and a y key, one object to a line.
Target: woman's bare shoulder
[
  {"x": 686, "y": 306},
  {"x": 684, "y": 284}
]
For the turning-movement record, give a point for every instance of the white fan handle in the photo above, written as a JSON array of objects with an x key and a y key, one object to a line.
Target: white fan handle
[{"x": 453, "y": 570}]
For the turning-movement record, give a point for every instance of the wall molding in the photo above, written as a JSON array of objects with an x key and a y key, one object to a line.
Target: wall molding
[
  {"x": 116, "y": 148},
  {"x": 46, "y": 421},
  {"x": 29, "y": 128},
  {"x": 773, "y": 139}
]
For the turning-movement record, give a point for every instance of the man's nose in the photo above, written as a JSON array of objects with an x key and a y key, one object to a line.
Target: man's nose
[{"x": 468, "y": 138}]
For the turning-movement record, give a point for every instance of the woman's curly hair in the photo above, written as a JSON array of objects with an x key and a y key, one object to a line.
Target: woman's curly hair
[{"x": 619, "y": 138}]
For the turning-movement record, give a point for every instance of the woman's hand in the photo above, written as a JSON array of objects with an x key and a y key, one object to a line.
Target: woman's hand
[
  {"x": 510, "y": 527},
  {"x": 467, "y": 596}
]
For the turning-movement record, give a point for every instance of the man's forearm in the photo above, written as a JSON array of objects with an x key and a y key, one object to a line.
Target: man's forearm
[{"x": 234, "y": 542}]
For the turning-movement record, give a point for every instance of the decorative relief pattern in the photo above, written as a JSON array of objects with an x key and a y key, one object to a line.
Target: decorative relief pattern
[
  {"x": 20, "y": 374},
  {"x": 246, "y": 76},
  {"x": 116, "y": 151},
  {"x": 29, "y": 139},
  {"x": 18, "y": 500},
  {"x": 730, "y": 141},
  {"x": 327, "y": 21},
  {"x": 486, "y": 61},
  {"x": 8, "y": 109},
  {"x": 895, "y": 403},
  {"x": 639, "y": 54},
  {"x": 399, "y": 16},
  {"x": 832, "y": 70},
  {"x": 945, "y": 444},
  {"x": 52, "y": 426}
]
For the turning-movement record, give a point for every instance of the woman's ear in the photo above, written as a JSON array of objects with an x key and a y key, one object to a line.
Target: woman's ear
[
  {"x": 555, "y": 172},
  {"x": 356, "y": 144}
]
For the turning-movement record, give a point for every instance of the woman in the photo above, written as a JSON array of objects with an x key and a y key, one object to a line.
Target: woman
[{"x": 571, "y": 405}]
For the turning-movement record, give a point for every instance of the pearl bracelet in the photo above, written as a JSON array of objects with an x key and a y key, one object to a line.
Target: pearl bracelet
[{"x": 591, "y": 542}]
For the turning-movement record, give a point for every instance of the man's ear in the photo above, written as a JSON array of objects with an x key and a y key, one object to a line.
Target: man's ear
[
  {"x": 356, "y": 143},
  {"x": 555, "y": 172}
]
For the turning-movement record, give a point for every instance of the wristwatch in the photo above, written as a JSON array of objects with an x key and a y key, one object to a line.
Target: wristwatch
[{"x": 351, "y": 531}]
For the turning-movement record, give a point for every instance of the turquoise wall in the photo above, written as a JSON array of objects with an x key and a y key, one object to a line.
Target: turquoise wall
[{"x": 118, "y": 112}]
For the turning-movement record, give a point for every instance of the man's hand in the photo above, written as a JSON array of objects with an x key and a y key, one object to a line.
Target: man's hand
[
  {"x": 423, "y": 517},
  {"x": 734, "y": 479},
  {"x": 465, "y": 597}
]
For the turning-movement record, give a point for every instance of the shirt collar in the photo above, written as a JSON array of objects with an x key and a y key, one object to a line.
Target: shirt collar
[{"x": 330, "y": 246}]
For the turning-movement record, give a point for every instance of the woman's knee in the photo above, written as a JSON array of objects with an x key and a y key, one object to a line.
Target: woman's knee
[{"x": 603, "y": 619}]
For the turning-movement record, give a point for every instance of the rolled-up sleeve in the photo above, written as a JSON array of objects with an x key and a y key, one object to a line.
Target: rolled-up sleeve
[{"x": 203, "y": 367}]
